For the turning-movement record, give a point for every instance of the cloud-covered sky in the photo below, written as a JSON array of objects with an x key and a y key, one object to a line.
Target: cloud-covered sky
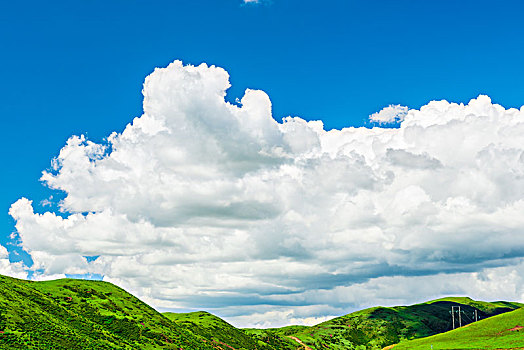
[
  {"x": 77, "y": 67},
  {"x": 204, "y": 204}
]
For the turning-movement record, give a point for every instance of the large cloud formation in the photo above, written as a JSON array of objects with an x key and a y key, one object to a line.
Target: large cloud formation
[{"x": 204, "y": 204}]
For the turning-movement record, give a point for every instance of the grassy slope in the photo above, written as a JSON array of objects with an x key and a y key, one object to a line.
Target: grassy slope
[
  {"x": 78, "y": 314},
  {"x": 213, "y": 328},
  {"x": 277, "y": 337},
  {"x": 378, "y": 327},
  {"x": 282, "y": 331},
  {"x": 222, "y": 333},
  {"x": 491, "y": 333}
]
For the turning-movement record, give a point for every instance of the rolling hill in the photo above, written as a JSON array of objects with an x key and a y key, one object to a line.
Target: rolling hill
[
  {"x": 222, "y": 333},
  {"x": 82, "y": 314},
  {"x": 378, "y": 327},
  {"x": 79, "y": 314},
  {"x": 505, "y": 331}
]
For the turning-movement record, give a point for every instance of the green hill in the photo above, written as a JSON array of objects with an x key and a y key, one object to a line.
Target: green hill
[
  {"x": 504, "y": 331},
  {"x": 222, "y": 333},
  {"x": 82, "y": 314},
  {"x": 79, "y": 314},
  {"x": 378, "y": 327}
]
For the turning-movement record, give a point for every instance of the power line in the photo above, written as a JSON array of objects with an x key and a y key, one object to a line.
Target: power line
[
  {"x": 453, "y": 311},
  {"x": 457, "y": 309},
  {"x": 469, "y": 319}
]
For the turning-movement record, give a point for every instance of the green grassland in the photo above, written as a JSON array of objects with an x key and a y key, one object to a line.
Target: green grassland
[
  {"x": 213, "y": 328},
  {"x": 222, "y": 333},
  {"x": 81, "y": 314},
  {"x": 498, "y": 332},
  {"x": 282, "y": 331},
  {"x": 78, "y": 314},
  {"x": 378, "y": 327}
]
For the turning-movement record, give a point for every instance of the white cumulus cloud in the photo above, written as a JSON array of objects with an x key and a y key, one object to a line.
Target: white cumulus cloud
[
  {"x": 389, "y": 114},
  {"x": 203, "y": 204}
]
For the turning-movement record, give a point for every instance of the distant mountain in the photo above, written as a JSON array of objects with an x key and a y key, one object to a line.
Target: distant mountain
[{"x": 80, "y": 314}]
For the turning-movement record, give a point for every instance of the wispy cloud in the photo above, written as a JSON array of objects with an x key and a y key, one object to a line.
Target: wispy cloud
[
  {"x": 390, "y": 114},
  {"x": 257, "y": 2}
]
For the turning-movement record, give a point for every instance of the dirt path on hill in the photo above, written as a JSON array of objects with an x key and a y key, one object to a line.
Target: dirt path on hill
[
  {"x": 389, "y": 347},
  {"x": 300, "y": 342}
]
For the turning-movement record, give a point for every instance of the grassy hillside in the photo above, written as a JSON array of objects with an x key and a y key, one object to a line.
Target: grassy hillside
[
  {"x": 78, "y": 314},
  {"x": 222, "y": 333},
  {"x": 378, "y": 327},
  {"x": 504, "y": 331},
  {"x": 282, "y": 331},
  {"x": 213, "y": 328}
]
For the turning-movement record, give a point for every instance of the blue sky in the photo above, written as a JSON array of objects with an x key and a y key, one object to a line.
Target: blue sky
[
  {"x": 72, "y": 67},
  {"x": 77, "y": 67}
]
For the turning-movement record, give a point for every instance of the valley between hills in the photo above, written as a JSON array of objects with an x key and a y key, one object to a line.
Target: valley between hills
[{"x": 85, "y": 314}]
